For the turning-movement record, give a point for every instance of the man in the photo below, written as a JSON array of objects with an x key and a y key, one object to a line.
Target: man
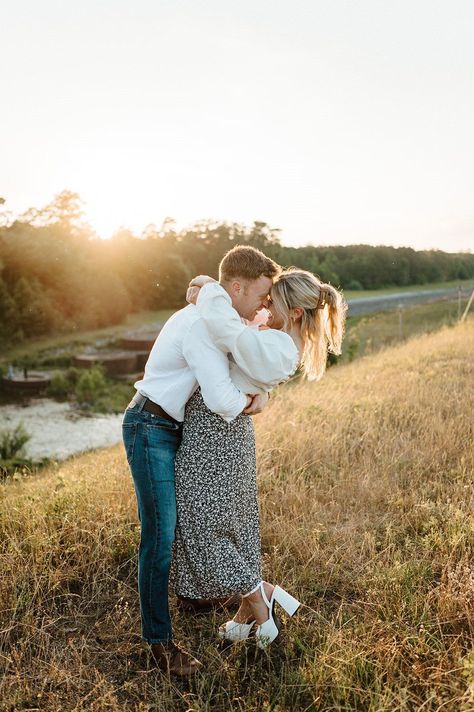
[{"x": 182, "y": 359}]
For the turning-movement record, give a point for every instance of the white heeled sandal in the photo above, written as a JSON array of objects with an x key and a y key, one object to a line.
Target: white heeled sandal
[
  {"x": 268, "y": 631},
  {"x": 235, "y": 631}
]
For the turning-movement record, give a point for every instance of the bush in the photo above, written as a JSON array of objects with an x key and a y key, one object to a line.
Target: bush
[
  {"x": 354, "y": 285},
  {"x": 63, "y": 383},
  {"x": 73, "y": 374},
  {"x": 12, "y": 441},
  {"x": 59, "y": 387},
  {"x": 91, "y": 386}
]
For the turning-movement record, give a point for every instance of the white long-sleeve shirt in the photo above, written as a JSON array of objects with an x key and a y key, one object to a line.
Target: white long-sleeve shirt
[
  {"x": 260, "y": 359},
  {"x": 183, "y": 357}
]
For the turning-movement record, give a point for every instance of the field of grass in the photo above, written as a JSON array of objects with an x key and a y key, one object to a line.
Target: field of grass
[{"x": 366, "y": 499}]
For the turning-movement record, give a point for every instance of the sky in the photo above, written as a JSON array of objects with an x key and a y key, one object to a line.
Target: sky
[{"x": 336, "y": 121}]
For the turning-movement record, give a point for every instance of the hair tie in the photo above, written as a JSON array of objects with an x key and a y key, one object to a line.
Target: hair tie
[{"x": 322, "y": 301}]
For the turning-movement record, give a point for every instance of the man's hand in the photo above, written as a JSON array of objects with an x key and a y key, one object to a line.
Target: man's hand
[{"x": 258, "y": 403}]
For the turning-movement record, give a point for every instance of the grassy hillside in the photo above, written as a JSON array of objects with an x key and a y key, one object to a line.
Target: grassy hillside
[{"x": 367, "y": 501}]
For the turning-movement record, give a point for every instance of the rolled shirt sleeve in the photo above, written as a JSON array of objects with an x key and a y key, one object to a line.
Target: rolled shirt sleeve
[
  {"x": 210, "y": 367},
  {"x": 268, "y": 356}
]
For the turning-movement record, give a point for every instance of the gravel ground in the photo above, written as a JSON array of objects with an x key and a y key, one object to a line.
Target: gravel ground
[{"x": 57, "y": 430}]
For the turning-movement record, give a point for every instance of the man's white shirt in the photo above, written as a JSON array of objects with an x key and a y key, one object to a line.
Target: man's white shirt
[{"x": 184, "y": 357}]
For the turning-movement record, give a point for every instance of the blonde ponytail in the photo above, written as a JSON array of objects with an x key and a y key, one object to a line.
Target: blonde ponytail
[{"x": 322, "y": 321}]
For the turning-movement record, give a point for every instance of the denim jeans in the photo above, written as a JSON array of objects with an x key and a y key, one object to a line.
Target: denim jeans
[{"x": 151, "y": 443}]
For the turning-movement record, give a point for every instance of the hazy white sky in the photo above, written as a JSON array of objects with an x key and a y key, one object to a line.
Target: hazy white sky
[{"x": 338, "y": 121}]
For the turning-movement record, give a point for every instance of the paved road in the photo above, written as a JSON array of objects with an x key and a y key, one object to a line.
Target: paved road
[{"x": 388, "y": 302}]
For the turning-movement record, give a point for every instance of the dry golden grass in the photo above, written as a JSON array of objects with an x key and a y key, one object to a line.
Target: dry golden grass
[{"x": 367, "y": 500}]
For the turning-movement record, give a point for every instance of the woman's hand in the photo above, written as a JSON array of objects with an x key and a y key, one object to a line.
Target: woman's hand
[
  {"x": 201, "y": 280},
  {"x": 257, "y": 404},
  {"x": 195, "y": 285},
  {"x": 192, "y": 295}
]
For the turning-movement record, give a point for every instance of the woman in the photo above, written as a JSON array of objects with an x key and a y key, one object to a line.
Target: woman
[{"x": 218, "y": 537}]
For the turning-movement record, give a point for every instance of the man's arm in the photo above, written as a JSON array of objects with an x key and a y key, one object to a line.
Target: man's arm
[{"x": 210, "y": 367}]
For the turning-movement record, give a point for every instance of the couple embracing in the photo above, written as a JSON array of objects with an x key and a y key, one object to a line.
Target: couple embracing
[{"x": 190, "y": 442}]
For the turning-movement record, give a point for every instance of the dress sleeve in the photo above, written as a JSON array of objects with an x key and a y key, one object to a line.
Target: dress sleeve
[{"x": 268, "y": 356}]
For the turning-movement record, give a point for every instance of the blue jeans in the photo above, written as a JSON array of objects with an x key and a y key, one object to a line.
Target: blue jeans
[{"x": 151, "y": 443}]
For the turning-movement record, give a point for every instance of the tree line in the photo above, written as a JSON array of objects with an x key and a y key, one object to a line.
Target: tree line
[{"x": 57, "y": 276}]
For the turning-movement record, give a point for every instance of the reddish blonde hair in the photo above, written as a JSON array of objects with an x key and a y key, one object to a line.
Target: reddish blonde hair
[{"x": 247, "y": 263}]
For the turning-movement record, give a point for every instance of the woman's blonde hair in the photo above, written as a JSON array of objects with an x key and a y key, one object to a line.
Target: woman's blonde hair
[{"x": 323, "y": 319}]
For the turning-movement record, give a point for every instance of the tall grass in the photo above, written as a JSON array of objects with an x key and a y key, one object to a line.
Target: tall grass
[{"x": 366, "y": 501}]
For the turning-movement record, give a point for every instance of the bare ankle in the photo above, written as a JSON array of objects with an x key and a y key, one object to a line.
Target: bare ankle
[
  {"x": 258, "y": 604},
  {"x": 255, "y": 596}
]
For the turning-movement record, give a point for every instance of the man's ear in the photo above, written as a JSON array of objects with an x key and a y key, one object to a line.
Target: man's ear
[{"x": 236, "y": 286}]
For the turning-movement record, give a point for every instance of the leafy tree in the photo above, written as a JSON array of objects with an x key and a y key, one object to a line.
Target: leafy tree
[
  {"x": 173, "y": 278},
  {"x": 65, "y": 211},
  {"x": 51, "y": 281}
]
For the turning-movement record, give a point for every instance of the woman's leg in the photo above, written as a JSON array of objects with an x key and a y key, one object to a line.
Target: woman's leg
[{"x": 255, "y": 605}]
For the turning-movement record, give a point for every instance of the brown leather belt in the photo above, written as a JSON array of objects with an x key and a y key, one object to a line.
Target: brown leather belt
[{"x": 151, "y": 407}]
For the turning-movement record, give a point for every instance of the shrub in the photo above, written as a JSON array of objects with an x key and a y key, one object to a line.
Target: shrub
[
  {"x": 63, "y": 383},
  {"x": 73, "y": 374},
  {"x": 12, "y": 441},
  {"x": 354, "y": 284},
  {"x": 60, "y": 386},
  {"x": 91, "y": 385}
]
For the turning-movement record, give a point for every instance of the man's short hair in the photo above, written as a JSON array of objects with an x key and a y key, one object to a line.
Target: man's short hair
[{"x": 246, "y": 262}]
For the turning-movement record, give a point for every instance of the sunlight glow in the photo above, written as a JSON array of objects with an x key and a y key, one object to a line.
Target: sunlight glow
[{"x": 333, "y": 123}]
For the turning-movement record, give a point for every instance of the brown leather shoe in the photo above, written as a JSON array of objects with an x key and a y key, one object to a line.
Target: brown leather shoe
[
  {"x": 207, "y": 605},
  {"x": 170, "y": 657}
]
